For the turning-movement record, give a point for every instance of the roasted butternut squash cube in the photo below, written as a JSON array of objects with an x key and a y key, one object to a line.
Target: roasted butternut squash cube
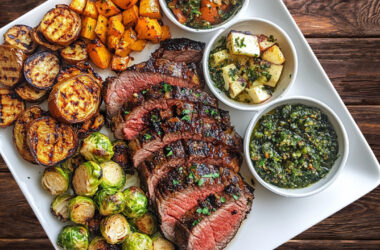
[
  {"x": 99, "y": 54},
  {"x": 123, "y": 48},
  {"x": 165, "y": 33},
  {"x": 138, "y": 45},
  {"x": 125, "y": 4},
  {"x": 77, "y": 5},
  {"x": 101, "y": 28},
  {"x": 150, "y": 8},
  {"x": 107, "y": 8},
  {"x": 115, "y": 32},
  {"x": 118, "y": 17},
  {"x": 149, "y": 29},
  {"x": 119, "y": 63},
  {"x": 130, "y": 15},
  {"x": 88, "y": 28},
  {"x": 90, "y": 9}
]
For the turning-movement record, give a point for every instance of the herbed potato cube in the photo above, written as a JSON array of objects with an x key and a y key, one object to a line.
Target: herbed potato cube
[
  {"x": 148, "y": 29},
  {"x": 138, "y": 45},
  {"x": 107, "y": 8},
  {"x": 264, "y": 42},
  {"x": 123, "y": 48},
  {"x": 236, "y": 87},
  {"x": 274, "y": 55},
  {"x": 243, "y": 44},
  {"x": 229, "y": 75},
  {"x": 150, "y": 8},
  {"x": 90, "y": 9},
  {"x": 101, "y": 28},
  {"x": 275, "y": 71},
  {"x": 77, "y": 5},
  {"x": 130, "y": 15},
  {"x": 258, "y": 93},
  {"x": 220, "y": 57},
  {"x": 88, "y": 28}
]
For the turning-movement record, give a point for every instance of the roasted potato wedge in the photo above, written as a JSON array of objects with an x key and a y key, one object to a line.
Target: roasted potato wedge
[
  {"x": 41, "y": 40},
  {"x": 50, "y": 142},
  {"x": 19, "y": 131},
  {"x": 75, "y": 52},
  {"x": 11, "y": 106},
  {"x": 11, "y": 62},
  {"x": 61, "y": 25},
  {"x": 29, "y": 93},
  {"x": 41, "y": 69},
  {"x": 80, "y": 68},
  {"x": 20, "y": 36},
  {"x": 93, "y": 125},
  {"x": 75, "y": 99}
]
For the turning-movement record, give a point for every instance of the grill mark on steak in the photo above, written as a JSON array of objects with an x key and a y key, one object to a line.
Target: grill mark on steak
[{"x": 181, "y": 50}]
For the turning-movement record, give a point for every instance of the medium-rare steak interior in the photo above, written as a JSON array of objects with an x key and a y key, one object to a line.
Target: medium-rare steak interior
[{"x": 186, "y": 152}]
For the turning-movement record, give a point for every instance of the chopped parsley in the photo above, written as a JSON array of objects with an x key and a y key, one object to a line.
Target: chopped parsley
[
  {"x": 126, "y": 112},
  {"x": 271, "y": 39},
  {"x": 175, "y": 182},
  {"x": 213, "y": 175},
  {"x": 167, "y": 87},
  {"x": 186, "y": 118},
  {"x": 186, "y": 111},
  {"x": 240, "y": 42},
  {"x": 236, "y": 197},
  {"x": 147, "y": 136},
  {"x": 222, "y": 199},
  {"x": 195, "y": 222},
  {"x": 170, "y": 151}
]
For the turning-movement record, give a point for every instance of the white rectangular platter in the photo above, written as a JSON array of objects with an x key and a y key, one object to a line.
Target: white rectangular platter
[{"x": 273, "y": 219}]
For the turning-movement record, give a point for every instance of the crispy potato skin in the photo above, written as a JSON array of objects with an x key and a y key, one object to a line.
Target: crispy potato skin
[
  {"x": 93, "y": 125},
  {"x": 19, "y": 131},
  {"x": 61, "y": 25},
  {"x": 20, "y": 36},
  {"x": 41, "y": 69},
  {"x": 75, "y": 52},
  {"x": 11, "y": 106},
  {"x": 11, "y": 63},
  {"x": 29, "y": 93},
  {"x": 75, "y": 99},
  {"x": 80, "y": 68},
  {"x": 50, "y": 142},
  {"x": 39, "y": 38}
]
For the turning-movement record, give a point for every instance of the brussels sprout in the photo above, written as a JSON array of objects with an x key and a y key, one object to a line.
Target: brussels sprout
[
  {"x": 99, "y": 243},
  {"x": 97, "y": 147},
  {"x": 160, "y": 243},
  {"x": 115, "y": 228},
  {"x": 136, "y": 202},
  {"x": 138, "y": 241},
  {"x": 81, "y": 209},
  {"x": 87, "y": 178},
  {"x": 132, "y": 179},
  {"x": 55, "y": 180},
  {"x": 73, "y": 237},
  {"x": 72, "y": 163},
  {"x": 113, "y": 175},
  {"x": 146, "y": 224},
  {"x": 60, "y": 206},
  {"x": 110, "y": 201}
]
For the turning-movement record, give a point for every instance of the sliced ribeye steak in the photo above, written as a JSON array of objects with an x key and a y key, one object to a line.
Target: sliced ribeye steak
[{"x": 180, "y": 50}]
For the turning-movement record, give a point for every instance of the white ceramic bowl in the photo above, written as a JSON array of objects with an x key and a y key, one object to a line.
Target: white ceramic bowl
[
  {"x": 256, "y": 26},
  {"x": 170, "y": 15},
  {"x": 338, "y": 165}
]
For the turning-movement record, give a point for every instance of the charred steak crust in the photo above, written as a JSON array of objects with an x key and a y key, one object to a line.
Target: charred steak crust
[{"x": 180, "y": 49}]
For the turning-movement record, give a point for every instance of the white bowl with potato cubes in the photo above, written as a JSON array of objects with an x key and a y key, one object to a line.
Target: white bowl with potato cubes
[{"x": 250, "y": 63}]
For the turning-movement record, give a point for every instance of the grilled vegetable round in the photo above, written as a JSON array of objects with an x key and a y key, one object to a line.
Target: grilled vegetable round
[
  {"x": 146, "y": 224},
  {"x": 61, "y": 25},
  {"x": 75, "y": 100},
  {"x": 136, "y": 202},
  {"x": 11, "y": 63},
  {"x": 97, "y": 147},
  {"x": 19, "y": 131},
  {"x": 55, "y": 180},
  {"x": 90, "y": 126},
  {"x": 39, "y": 38},
  {"x": 115, "y": 228},
  {"x": 50, "y": 142},
  {"x": 73, "y": 237},
  {"x": 75, "y": 52},
  {"x": 160, "y": 243},
  {"x": 120, "y": 149},
  {"x": 87, "y": 178},
  {"x": 109, "y": 201},
  {"x": 113, "y": 175},
  {"x": 41, "y": 69},
  {"x": 99, "y": 243},
  {"x": 20, "y": 37},
  {"x": 80, "y": 68},
  {"x": 81, "y": 209},
  {"x": 60, "y": 207},
  {"x": 29, "y": 93},
  {"x": 138, "y": 241}
]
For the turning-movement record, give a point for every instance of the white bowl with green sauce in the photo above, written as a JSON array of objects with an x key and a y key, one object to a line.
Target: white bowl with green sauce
[{"x": 296, "y": 147}]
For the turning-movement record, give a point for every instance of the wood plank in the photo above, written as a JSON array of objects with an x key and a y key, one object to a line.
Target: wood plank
[
  {"x": 336, "y": 18},
  {"x": 12, "y": 9},
  {"x": 22, "y": 244},
  {"x": 330, "y": 244}
]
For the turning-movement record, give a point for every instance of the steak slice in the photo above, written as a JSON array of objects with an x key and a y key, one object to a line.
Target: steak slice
[
  {"x": 180, "y": 50},
  {"x": 214, "y": 222}
]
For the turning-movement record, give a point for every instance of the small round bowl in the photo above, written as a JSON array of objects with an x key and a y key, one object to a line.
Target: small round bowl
[
  {"x": 170, "y": 15},
  {"x": 256, "y": 26},
  {"x": 337, "y": 167}
]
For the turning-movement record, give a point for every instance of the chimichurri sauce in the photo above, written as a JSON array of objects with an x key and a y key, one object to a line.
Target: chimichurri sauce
[{"x": 293, "y": 146}]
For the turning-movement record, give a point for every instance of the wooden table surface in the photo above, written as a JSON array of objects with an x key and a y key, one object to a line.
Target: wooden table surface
[{"x": 345, "y": 36}]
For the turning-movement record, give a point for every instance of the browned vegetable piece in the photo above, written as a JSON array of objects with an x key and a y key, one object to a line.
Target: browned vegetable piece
[
  {"x": 90, "y": 126},
  {"x": 125, "y": 4},
  {"x": 99, "y": 54},
  {"x": 150, "y": 8},
  {"x": 90, "y": 9},
  {"x": 39, "y": 38},
  {"x": 29, "y": 93},
  {"x": 107, "y": 8},
  {"x": 80, "y": 68},
  {"x": 148, "y": 29},
  {"x": 128, "y": 38},
  {"x": 11, "y": 62},
  {"x": 20, "y": 36},
  {"x": 50, "y": 142},
  {"x": 119, "y": 63},
  {"x": 88, "y": 28},
  {"x": 61, "y": 25},
  {"x": 77, "y": 5},
  {"x": 101, "y": 28},
  {"x": 118, "y": 17},
  {"x": 19, "y": 131},
  {"x": 165, "y": 33},
  {"x": 75, "y": 99},
  {"x": 130, "y": 15},
  {"x": 11, "y": 106},
  {"x": 41, "y": 69},
  {"x": 120, "y": 156},
  {"x": 138, "y": 45},
  {"x": 75, "y": 52},
  {"x": 115, "y": 32}
]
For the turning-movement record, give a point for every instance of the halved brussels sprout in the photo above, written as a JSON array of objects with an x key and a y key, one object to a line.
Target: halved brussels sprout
[
  {"x": 138, "y": 241},
  {"x": 97, "y": 147},
  {"x": 73, "y": 237},
  {"x": 60, "y": 207},
  {"x": 87, "y": 178},
  {"x": 146, "y": 224},
  {"x": 115, "y": 228},
  {"x": 113, "y": 175},
  {"x": 72, "y": 163},
  {"x": 81, "y": 209},
  {"x": 160, "y": 243},
  {"x": 110, "y": 201},
  {"x": 136, "y": 202},
  {"x": 99, "y": 243},
  {"x": 55, "y": 180}
]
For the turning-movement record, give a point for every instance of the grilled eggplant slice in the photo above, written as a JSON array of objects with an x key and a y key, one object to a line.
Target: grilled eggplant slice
[
  {"x": 90, "y": 126},
  {"x": 50, "y": 142},
  {"x": 19, "y": 131},
  {"x": 75, "y": 52},
  {"x": 41, "y": 69},
  {"x": 29, "y": 93},
  {"x": 11, "y": 62},
  {"x": 20, "y": 36},
  {"x": 41, "y": 40},
  {"x": 80, "y": 68},
  {"x": 11, "y": 106},
  {"x": 61, "y": 25},
  {"x": 75, "y": 99}
]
